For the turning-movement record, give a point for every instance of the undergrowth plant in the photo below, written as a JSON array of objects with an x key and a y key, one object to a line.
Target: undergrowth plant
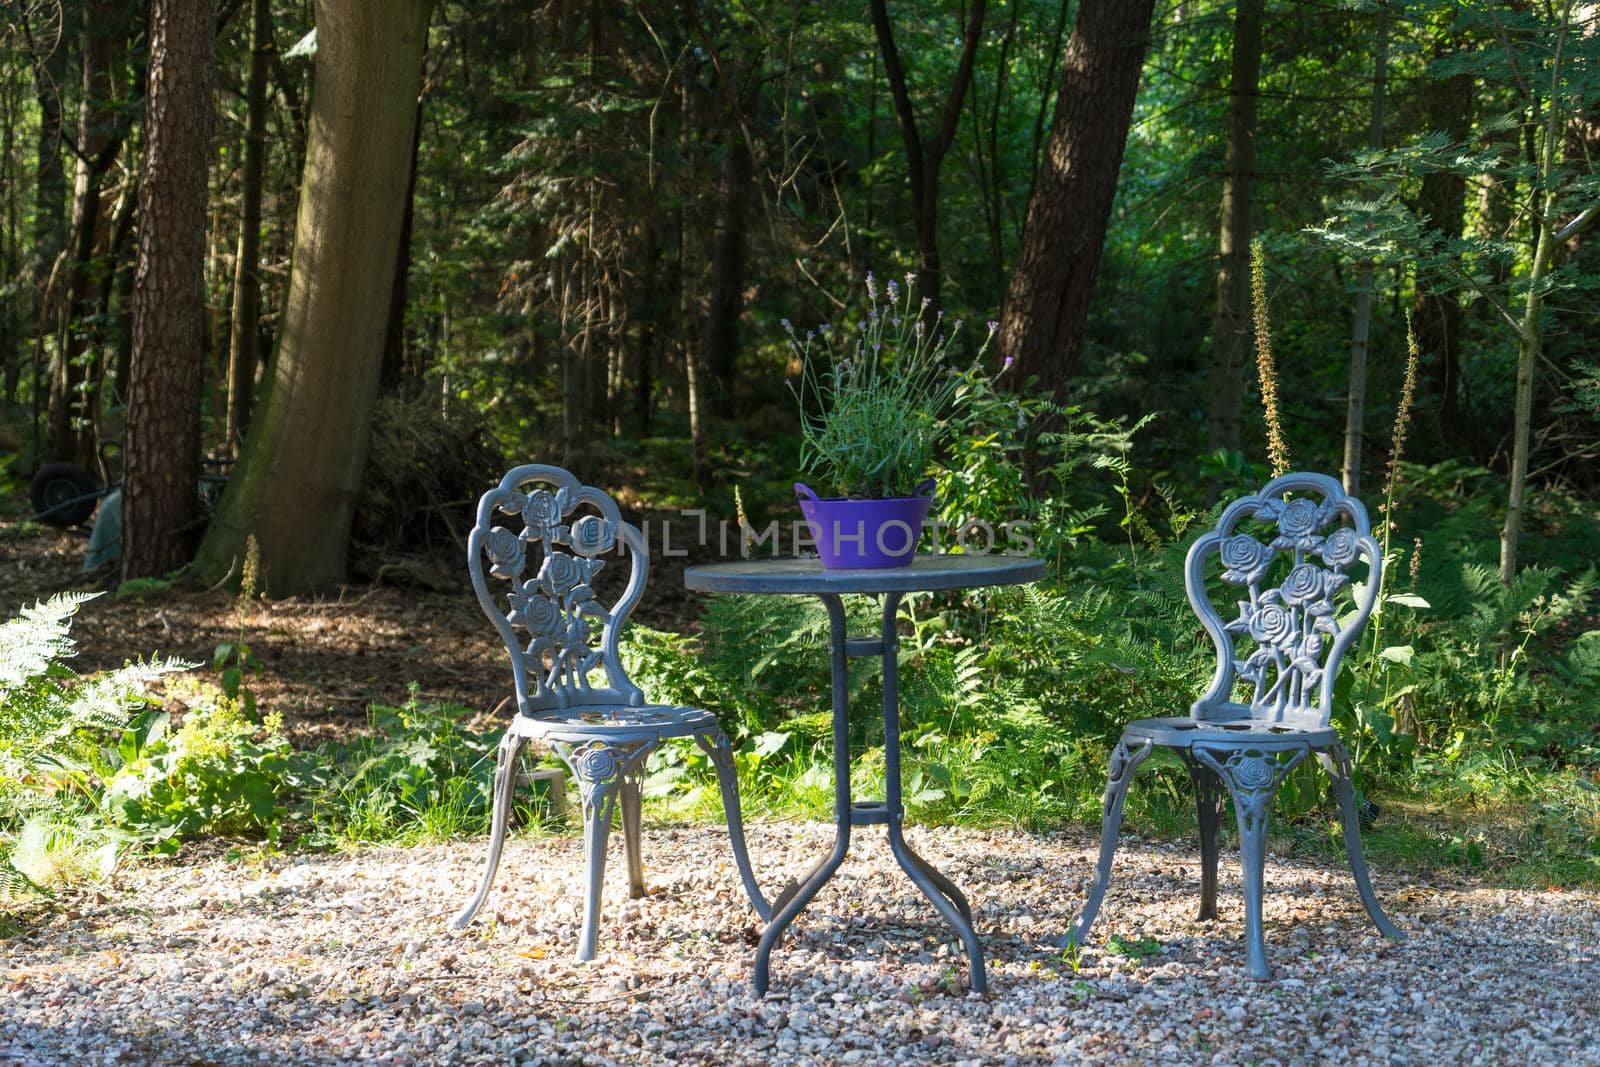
[
  {"x": 233, "y": 660},
  {"x": 54, "y": 731}
]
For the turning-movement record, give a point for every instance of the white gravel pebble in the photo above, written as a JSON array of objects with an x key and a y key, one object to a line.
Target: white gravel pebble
[{"x": 347, "y": 959}]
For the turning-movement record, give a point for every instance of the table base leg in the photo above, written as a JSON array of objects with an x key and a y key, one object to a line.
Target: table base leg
[
  {"x": 789, "y": 905},
  {"x": 941, "y": 892},
  {"x": 928, "y": 880},
  {"x": 944, "y": 885}
]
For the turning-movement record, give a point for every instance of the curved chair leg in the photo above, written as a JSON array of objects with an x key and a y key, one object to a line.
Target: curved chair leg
[
  {"x": 505, "y": 784},
  {"x": 715, "y": 745},
  {"x": 1337, "y": 763},
  {"x": 1252, "y": 776},
  {"x": 632, "y": 819},
  {"x": 601, "y": 771},
  {"x": 1124, "y": 761},
  {"x": 1209, "y": 799}
]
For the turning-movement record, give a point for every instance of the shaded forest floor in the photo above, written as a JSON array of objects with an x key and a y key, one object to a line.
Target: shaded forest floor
[{"x": 323, "y": 661}]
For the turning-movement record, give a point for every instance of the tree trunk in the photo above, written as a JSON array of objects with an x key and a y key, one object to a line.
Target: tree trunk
[
  {"x": 1448, "y": 106},
  {"x": 115, "y": 310},
  {"x": 395, "y": 368},
  {"x": 695, "y": 380},
  {"x": 123, "y": 368},
  {"x": 992, "y": 184},
  {"x": 1231, "y": 325},
  {"x": 10, "y": 253},
  {"x": 1048, "y": 304},
  {"x": 98, "y": 142},
  {"x": 727, "y": 265},
  {"x": 246, "y": 325},
  {"x": 163, "y": 435},
  {"x": 1529, "y": 341},
  {"x": 297, "y": 482},
  {"x": 49, "y": 213},
  {"x": 689, "y": 342},
  {"x": 1356, "y": 397},
  {"x": 219, "y": 299},
  {"x": 654, "y": 312},
  {"x": 925, "y": 154}
]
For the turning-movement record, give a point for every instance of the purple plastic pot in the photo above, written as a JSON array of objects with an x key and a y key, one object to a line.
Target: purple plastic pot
[{"x": 860, "y": 534}]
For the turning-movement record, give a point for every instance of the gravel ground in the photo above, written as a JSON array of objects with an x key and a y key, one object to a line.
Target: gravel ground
[{"x": 346, "y": 959}]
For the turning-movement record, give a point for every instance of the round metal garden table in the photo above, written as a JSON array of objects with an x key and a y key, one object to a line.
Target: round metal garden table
[{"x": 925, "y": 573}]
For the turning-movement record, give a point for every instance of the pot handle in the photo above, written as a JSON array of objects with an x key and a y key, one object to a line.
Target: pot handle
[
  {"x": 804, "y": 492},
  {"x": 924, "y": 488}
]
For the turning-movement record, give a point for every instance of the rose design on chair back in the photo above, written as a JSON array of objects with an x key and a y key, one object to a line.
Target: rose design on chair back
[
  {"x": 506, "y": 551},
  {"x": 1297, "y": 521},
  {"x": 592, "y": 535},
  {"x": 1246, "y": 560},
  {"x": 540, "y": 511},
  {"x": 1271, "y": 625},
  {"x": 552, "y": 620},
  {"x": 1291, "y": 636},
  {"x": 1341, "y": 547}
]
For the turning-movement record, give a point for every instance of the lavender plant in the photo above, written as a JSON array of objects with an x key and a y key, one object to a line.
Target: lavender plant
[{"x": 876, "y": 402}]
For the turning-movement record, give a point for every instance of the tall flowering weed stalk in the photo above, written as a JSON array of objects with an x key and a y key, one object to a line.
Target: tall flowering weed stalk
[
  {"x": 1266, "y": 364},
  {"x": 1402, "y": 421},
  {"x": 1391, "y": 482},
  {"x": 876, "y": 400}
]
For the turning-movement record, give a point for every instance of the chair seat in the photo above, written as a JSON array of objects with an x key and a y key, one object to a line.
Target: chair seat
[
  {"x": 1181, "y": 731},
  {"x": 614, "y": 722}
]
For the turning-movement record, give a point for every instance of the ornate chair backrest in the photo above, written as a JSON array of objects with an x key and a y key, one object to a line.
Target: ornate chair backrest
[
  {"x": 543, "y": 565},
  {"x": 1289, "y": 636}
]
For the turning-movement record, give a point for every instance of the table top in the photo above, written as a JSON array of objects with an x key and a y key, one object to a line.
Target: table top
[{"x": 925, "y": 573}]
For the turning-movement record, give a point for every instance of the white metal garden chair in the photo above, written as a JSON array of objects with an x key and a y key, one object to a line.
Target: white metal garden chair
[
  {"x": 1284, "y": 649},
  {"x": 534, "y": 577}
]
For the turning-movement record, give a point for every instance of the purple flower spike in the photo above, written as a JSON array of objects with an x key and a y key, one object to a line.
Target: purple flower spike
[
  {"x": 894, "y": 289},
  {"x": 872, "y": 286},
  {"x": 1009, "y": 360},
  {"x": 993, "y": 326}
]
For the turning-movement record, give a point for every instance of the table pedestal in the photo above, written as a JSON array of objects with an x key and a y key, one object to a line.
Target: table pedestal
[{"x": 888, "y": 812}]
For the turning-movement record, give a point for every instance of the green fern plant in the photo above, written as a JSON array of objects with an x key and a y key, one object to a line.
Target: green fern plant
[{"x": 53, "y": 728}]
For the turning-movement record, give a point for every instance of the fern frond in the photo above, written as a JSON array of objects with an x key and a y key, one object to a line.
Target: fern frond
[{"x": 36, "y": 638}]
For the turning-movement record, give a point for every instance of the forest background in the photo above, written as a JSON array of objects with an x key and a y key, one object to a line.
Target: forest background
[{"x": 364, "y": 256}]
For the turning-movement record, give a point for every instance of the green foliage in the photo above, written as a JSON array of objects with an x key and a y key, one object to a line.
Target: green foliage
[
  {"x": 874, "y": 419},
  {"x": 89, "y": 767},
  {"x": 1495, "y": 666},
  {"x": 1135, "y": 949},
  {"x": 54, "y": 733},
  {"x": 233, "y": 659},
  {"x": 421, "y": 775},
  {"x": 218, "y": 773},
  {"x": 51, "y": 850}
]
